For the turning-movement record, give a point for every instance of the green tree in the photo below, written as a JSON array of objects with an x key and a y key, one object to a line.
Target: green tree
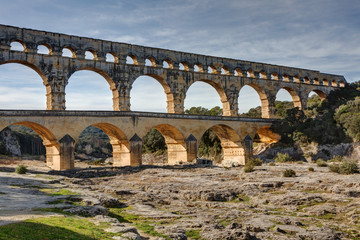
[{"x": 154, "y": 141}]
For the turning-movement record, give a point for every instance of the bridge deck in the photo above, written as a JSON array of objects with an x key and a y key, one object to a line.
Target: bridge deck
[{"x": 102, "y": 114}]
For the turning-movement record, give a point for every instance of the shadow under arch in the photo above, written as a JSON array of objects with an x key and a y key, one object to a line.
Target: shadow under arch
[
  {"x": 43, "y": 77},
  {"x": 265, "y": 110},
  {"x": 220, "y": 90},
  {"x": 170, "y": 104},
  {"x": 266, "y": 135},
  {"x": 175, "y": 141},
  {"x": 231, "y": 144},
  {"x": 295, "y": 97},
  {"x": 50, "y": 143},
  {"x": 119, "y": 142},
  {"x": 110, "y": 81},
  {"x": 320, "y": 93}
]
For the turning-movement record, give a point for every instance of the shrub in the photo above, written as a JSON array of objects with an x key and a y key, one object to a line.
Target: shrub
[
  {"x": 248, "y": 168},
  {"x": 21, "y": 169},
  {"x": 96, "y": 162},
  {"x": 349, "y": 167},
  {"x": 335, "y": 167},
  {"x": 311, "y": 169},
  {"x": 289, "y": 173},
  {"x": 283, "y": 157},
  {"x": 255, "y": 162},
  {"x": 272, "y": 164},
  {"x": 337, "y": 158},
  {"x": 345, "y": 167},
  {"x": 321, "y": 163}
]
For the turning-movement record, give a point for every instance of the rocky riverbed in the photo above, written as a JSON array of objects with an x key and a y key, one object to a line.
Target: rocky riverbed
[{"x": 196, "y": 202}]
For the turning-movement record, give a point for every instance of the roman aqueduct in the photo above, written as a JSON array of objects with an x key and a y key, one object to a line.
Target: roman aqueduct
[{"x": 175, "y": 71}]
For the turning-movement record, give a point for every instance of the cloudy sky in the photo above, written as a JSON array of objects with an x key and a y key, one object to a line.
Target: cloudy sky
[{"x": 323, "y": 35}]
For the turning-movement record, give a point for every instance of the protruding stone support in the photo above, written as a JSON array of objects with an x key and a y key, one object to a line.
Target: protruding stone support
[
  {"x": 176, "y": 105},
  {"x": 268, "y": 107},
  {"x": 233, "y": 154},
  {"x": 52, "y": 154},
  {"x": 248, "y": 147},
  {"x": 55, "y": 90},
  {"x": 121, "y": 153},
  {"x": 232, "y": 108},
  {"x": 176, "y": 152},
  {"x": 67, "y": 147},
  {"x": 123, "y": 89},
  {"x": 135, "y": 151},
  {"x": 191, "y": 148}
]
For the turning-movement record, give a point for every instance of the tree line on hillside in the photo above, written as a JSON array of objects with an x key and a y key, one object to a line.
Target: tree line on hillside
[{"x": 332, "y": 121}]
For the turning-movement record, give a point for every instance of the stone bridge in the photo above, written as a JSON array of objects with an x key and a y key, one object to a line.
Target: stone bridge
[
  {"x": 175, "y": 71},
  {"x": 121, "y": 64},
  {"x": 60, "y": 131}
]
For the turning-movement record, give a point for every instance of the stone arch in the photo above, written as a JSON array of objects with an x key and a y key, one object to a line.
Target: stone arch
[
  {"x": 49, "y": 48},
  {"x": 231, "y": 144},
  {"x": 167, "y": 90},
  {"x": 267, "y": 136},
  {"x": 175, "y": 142},
  {"x": 71, "y": 49},
  {"x": 265, "y": 109},
  {"x": 198, "y": 67},
  {"x": 184, "y": 66},
  {"x": 225, "y": 70},
  {"x": 294, "y": 95},
  {"x": 119, "y": 142},
  {"x": 43, "y": 77},
  {"x": 320, "y": 93},
  {"x": 262, "y": 74},
  {"x": 116, "y": 58},
  {"x": 341, "y": 84},
  {"x": 93, "y": 52},
  {"x": 20, "y": 42},
  {"x": 250, "y": 73},
  {"x": 50, "y": 143},
  {"x": 211, "y": 69},
  {"x": 169, "y": 63},
  {"x": 238, "y": 72},
  {"x": 220, "y": 90},
  {"x": 151, "y": 60},
  {"x": 134, "y": 59},
  {"x": 274, "y": 76},
  {"x": 334, "y": 83},
  {"x": 110, "y": 81}
]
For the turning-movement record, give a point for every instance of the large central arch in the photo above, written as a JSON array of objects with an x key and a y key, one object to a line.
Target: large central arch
[
  {"x": 110, "y": 81},
  {"x": 265, "y": 110},
  {"x": 170, "y": 104},
  {"x": 295, "y": 97},
  {"x": 220, "y": 90}
]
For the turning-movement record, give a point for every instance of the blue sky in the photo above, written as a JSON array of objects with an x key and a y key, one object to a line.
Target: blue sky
[{"x": 321, "y": 35}]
